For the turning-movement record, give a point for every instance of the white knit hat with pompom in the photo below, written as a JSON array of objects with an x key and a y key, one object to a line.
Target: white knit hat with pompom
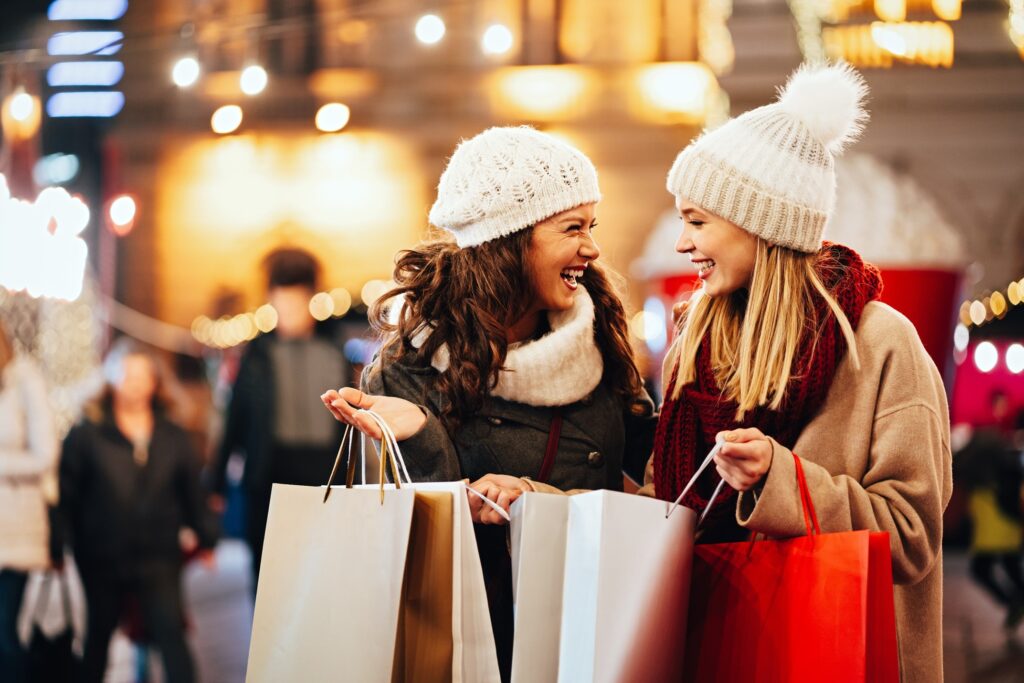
[
  {"x": 771, "y": 171},
  {"x": 508, "y": 179}
]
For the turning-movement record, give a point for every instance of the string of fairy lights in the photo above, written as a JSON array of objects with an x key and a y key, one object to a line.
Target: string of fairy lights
[
  {"x": 877, "y": 33},
  {"x": 976, "y": 313},
  {"x": 230, "y": 331}
]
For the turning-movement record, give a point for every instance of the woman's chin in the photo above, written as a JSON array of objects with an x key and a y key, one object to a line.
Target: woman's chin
[{"x": 562, "y": 302}]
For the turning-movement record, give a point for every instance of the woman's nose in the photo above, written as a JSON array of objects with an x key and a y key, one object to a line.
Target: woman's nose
[
  {"x": 589, "y": 249},
  {"x": 684, "y": 244}
]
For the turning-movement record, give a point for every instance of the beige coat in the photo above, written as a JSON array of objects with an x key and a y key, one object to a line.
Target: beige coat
[
  {"x": 876, "y": 457},
  {"x": 28, "y": 458}
]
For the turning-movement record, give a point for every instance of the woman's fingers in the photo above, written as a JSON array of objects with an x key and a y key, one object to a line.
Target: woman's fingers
[
  {"x": 734, "y": 476},
  {"x": 496, "y": 489},
  {"x": 489, "y": 516},
  {"x": 328, "y": 398},
  {"x": 367, "y": 425},
  {"x": 356, "y": 398},
  {"x": 741, "y": 435},
  {"x": 338, "y": 406},
  {"x": 476, "y": 506},
  {"x": 741, "y": 473},
  {"x": 751, "y": 450}
]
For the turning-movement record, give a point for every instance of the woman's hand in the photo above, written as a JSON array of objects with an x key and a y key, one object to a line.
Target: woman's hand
[
  {"x": 404, "y": 418},
  {"x": 500, "y": 488},
  {"x": 745, "y": 458}
]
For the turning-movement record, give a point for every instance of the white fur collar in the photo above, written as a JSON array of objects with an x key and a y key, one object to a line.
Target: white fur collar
[{"x": 562, "y": 367}]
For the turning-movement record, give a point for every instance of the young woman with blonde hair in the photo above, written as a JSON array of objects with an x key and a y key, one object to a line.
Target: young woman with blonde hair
[{"x": 786, "y": 352}]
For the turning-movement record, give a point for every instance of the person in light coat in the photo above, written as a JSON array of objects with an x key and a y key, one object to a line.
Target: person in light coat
[{"x": 28, "y": 459}]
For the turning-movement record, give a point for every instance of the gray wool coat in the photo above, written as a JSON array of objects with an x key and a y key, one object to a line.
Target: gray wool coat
[{"x": 601, "y": 435}]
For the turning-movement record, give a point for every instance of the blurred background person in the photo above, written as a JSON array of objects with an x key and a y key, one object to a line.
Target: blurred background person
[
  {"x": 275, "y": 420},
  {"x": 28, "y": 456},
  {"x": 129, "y": 481},
  {"x": 989, "y": 467}
]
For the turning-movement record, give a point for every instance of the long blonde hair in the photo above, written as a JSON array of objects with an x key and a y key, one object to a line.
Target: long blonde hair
[{"x": 755, "y": 335}]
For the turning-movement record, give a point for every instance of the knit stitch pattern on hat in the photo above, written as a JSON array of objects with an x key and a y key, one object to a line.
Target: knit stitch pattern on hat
[
  {"x": 771, "y": 171},
  {"x": 508, "y": 179}
]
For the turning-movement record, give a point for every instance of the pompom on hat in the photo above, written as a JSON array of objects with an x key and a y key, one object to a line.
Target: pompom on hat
[
  {"x": 508, "y": 179},
  {"x": 771, "y": 171}
]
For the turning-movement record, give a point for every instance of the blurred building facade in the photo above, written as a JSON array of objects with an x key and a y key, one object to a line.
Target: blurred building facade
[{"x": 626, "y": 82}]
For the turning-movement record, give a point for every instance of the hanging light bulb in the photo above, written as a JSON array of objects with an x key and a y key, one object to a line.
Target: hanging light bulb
[
  {"x": 186, "y": 72},
  {"x": 253, "y": 80},
  {"x": 497, "y": 40},
  {"x": 332, "y": 117},
  {"x": 122, "y": 212},
  {"x": 227, "y": 119},
  {"x": 430, "y": 29}
]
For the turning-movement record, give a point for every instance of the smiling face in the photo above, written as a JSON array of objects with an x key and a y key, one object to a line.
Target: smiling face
[
  {"x": 561, "y": 248},
  {"x": 722, "y": 252}
]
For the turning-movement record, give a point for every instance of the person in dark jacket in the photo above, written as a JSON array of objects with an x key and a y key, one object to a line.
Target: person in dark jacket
[
  {"x": 274, "y": 419},
  {"x": 989, "y": 467},
  {"x": 509, "y": 361},
  {"x": 129, "y": 482}
]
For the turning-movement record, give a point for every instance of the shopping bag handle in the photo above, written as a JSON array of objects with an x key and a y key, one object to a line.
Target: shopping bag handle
[
  {"x": 490, "y": 503},
  {"x": 389, "y": 455},
  {"x": 394, "y": 449},
  {"x": 708, "y": 459},
  {"x": 810, "y": 515}
]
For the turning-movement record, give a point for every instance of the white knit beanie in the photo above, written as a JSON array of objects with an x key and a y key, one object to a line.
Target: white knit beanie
[
  {"x": 507, "y": 179},
  {"x": 771, "y": 171}
]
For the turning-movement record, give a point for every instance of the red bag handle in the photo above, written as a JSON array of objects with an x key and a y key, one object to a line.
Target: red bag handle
[
  {"x": 810, "y": 516},
  {"x": 552, "y": 448}
]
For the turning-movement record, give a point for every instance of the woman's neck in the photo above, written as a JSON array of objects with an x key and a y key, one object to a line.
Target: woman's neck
[{"x": 525, "y": 328}]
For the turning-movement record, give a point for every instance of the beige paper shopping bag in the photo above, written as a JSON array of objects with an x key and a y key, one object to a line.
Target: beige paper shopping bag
[
  {"x": 474, "y": 657},
  {"x": 423, "y": 651}
]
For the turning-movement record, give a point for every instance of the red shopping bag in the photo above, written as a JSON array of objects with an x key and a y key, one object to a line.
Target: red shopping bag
[{"x": 814, "y": 608}]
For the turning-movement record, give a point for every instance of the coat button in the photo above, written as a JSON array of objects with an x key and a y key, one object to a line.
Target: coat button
[
  {"x": 595, "y": 459},
  {"x": 496, "y": 421}
]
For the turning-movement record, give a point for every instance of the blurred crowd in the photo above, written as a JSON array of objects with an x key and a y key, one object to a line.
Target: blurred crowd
[{"x": 174, "y": 452}]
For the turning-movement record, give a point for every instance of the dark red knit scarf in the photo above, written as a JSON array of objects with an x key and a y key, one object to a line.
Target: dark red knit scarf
[{"x": 688, "y": 425}]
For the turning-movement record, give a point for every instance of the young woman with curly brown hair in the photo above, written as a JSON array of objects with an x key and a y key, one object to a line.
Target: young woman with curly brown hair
[{"x": 509, "y": 361}]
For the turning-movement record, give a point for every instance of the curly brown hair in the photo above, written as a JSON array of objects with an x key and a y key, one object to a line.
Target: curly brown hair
[{"x": 470, "y": 297}]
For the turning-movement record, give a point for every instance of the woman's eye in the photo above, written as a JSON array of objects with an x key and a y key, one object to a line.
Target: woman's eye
[{"x": 696, "y": 223}]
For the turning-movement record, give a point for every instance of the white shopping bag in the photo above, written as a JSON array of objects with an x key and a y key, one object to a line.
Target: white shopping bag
[
  {"x": 330, "y": 585},
  {"x": 626, "y": 588},
  {"x": 474, "y": 655},
  {"x": 538, "y": 533}
]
